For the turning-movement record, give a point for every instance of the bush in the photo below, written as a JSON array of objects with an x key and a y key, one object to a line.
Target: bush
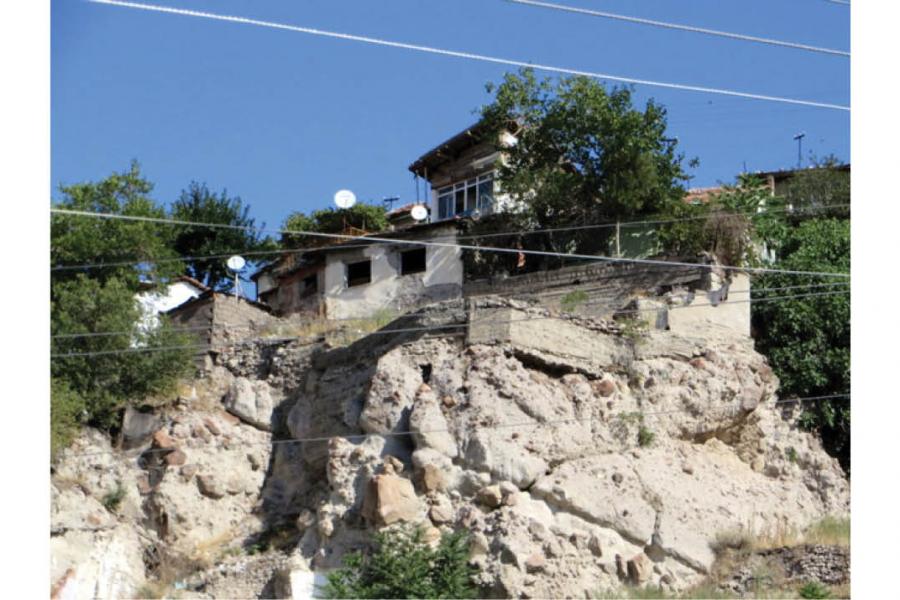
[
  {"x": 66, "y": 409},
  {"x": 403, "y": 565},
  {"x": 814, "y": 589},
  {"x": 645, "y": 437},
  {"x": 112, "y": 499}
]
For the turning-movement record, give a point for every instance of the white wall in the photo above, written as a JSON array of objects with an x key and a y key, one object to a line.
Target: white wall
[
  {"x": 388, "y": 289},
  {"x": 153, "y": 303}
]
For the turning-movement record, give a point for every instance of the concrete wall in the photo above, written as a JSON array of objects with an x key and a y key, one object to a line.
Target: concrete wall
[
  {"x": 388, "y": 289},
  {"x": 730, "y": 309}
]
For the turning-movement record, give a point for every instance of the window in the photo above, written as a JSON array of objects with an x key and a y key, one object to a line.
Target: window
[
  {"x": 309, "y": 286},
  {"x": 359, "y": 273},
  {"x": 465, "y": 197},
  {"x": 412, "y": 261}
]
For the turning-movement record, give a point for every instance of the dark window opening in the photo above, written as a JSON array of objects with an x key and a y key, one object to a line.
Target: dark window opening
[
  {"x": 412, "y": 261},
  {"x": 426, "y": 373},
  {"x": 309, "y": 286},
  {"x": 359, "y": 273}
]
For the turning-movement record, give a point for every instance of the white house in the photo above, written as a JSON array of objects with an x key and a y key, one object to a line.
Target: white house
[{"x": 154, "y": 302}]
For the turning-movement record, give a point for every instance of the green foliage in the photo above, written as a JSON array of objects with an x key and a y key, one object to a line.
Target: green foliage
[
  {"x": 113, "y": 498},
  {"x": 80, "y": 239},
  {"x": 584, "y": 154},
  {"x": 92, "y": 389},
  {"x": 810, "y": 190},
  {"x": 573, "y": 300},
  {"x": 402, "y": 565},
  {"x": 792, "y": 454},
  {"x": 814, "y": 589},
  {"x": 66, "y": 409},
  {"x": 368, "y": 217},
  {"x": 197, "y": 204},
  {"x": 807, "y": 339},
  {"x": 645, "y": 436}
]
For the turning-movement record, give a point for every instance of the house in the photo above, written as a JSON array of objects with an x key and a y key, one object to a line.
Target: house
[
  {"x": 776, "y": 181},
  {"x": 153, "y": 302},
  {"x": 460, "y": 172},
  {"x": 359, "y": 277}
]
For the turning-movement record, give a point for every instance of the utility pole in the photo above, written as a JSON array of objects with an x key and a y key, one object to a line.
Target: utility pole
[{"x": 799, "y": 137}]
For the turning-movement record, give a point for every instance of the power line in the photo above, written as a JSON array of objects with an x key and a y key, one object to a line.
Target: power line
[
  {"x": 396, "y": 241},
  {"x": 466, "y": 55},
  {"x": 549, "y": 422},
  {"x": 92, "y": 334},
  {"x": 679, "y": 27},
  {"x": 522, "y": 232},
  {"x": 212, "y": 347}
]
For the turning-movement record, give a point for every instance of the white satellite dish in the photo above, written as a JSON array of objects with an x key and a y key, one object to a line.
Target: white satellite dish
[
  {"x": 419, "y": 212},
  {"x": 344, "y": 198},
  {"x": 236, "y": 263}
]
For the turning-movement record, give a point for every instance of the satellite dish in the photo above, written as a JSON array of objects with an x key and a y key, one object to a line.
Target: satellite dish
[
  {"x": 344, "y": 198},
  {"x": 236, "y": 263},
  {"x": 476, "y": 214},
  {"x": 419, "y": 212}
]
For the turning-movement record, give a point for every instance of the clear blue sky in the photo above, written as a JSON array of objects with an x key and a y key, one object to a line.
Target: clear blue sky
[{"x": 284, "y": 119}]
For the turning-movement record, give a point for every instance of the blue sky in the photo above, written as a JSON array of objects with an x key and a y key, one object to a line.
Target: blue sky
[{"x": 284, "y": 119}]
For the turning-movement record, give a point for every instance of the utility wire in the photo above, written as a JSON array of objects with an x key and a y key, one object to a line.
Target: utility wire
[
  {"x": 213, "y": 347},
  {"x": 224, "y": 327},
  {"x": 522, "y": 232},
  {"x": 551, "y": 422},
  {"x": 466, "y": 55},
  {"x": 679, "y": 27},
  {"x": 397, "y": 241}
]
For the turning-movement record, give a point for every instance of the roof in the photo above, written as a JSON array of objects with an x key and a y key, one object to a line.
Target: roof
[
  {"x": 701, "y": 195},
  {"x": 451, "y": 148},
  {"x": 210, "y": 293},
  {"x": 149, "y": 285},
  {"x": 401, "y": 233},
  {"x": 785, "y": 173}
]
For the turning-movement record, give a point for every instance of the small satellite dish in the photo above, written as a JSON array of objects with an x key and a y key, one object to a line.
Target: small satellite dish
[
  {"x": 476, "y": 214},
  {"x": 419, "y": 212},
  {"x": 236, "y": 263},
  {"x": 344, "y": 198}
]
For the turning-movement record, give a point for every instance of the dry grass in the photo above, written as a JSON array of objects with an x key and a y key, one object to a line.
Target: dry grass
[
  {"x": 338, "y": 333},
  {"x": 830, "y": 531}
]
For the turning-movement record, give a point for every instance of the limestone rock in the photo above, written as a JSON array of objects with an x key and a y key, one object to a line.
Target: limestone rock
[
  {"x": 210, "y": 487},
  {"x": 138, "y": 427},
  {"x": 251, "y": 401},
  {"x": 490, "y": 496},
  {"x": 390, "y": 499}
]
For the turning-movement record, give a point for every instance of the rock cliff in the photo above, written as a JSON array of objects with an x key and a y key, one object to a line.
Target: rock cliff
[{"x": 580, "y": 454}]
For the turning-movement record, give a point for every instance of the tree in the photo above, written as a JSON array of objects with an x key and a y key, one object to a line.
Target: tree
[
  {"x": 367, "y": 217},
  {"x": 823, "y": 185},
  {"x": 197, "y": 204},
  {"x": 116, "y": 363},
  {"x": 403, "y": 565},
  {"x": 807, "y": 339},
  {"x": 78, "y": 240},
  {"x": 583, "y": 154}
]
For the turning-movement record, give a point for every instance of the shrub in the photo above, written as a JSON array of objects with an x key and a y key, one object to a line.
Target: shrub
[
  {"x": 573, "y": 300},
  {"x": 403, "y": 565},
  {"x": 645, "y": 437},
  {"x": 66, "y": 408},
  {"x": 112, "y": 499},
  {"x": 814, "y": 589}
]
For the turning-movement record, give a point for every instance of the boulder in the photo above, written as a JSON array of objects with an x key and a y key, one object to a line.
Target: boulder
[
  {"x": 390, "y": 499},
  {"x": 251, "y": 401},
  {"x": 210, "y": 487},
  {"x": 138, "y": 427}
]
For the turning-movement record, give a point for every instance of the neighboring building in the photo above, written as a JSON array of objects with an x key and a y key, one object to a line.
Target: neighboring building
[
  {"x": 777, "y": 180},
  {"x": 153, "y": 302},
  {"x": 360, "y": 277},
  {"x": 460, "y": 172}
]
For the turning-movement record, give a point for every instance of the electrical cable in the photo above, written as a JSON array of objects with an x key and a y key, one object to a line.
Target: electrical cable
[
  {"x": 680, "y": 27},
  {"x": 467, "y": 55}
]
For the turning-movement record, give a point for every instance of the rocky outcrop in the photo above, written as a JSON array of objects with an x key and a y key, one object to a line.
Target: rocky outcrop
[{"x": 579, "y": 455}]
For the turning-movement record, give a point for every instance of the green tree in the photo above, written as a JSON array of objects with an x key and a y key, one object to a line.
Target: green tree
[
  {"x": 809, "y": 191},
  {"x": 807, "y": 339},
  {"x": 403, "y": 565},
  {"x": 367, "y": 217},
  {"x": 198, "y": 204},
  {"x": 77, "y": 239},
  {"x": 102, "y": 359},
  {"x": 584, "y": 154}
]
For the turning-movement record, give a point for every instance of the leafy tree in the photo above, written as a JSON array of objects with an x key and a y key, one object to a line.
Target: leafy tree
[
  {"x": 80, "y": 239},
  {"x": 199, "y": 205},
  {"x": 584, "y": 154},
  {"x": 91, "y": 389},
  {"x": 823, "y": 185},
  {"x": 402, "y": 565},
  {"x": 367, "y": 217},
  {"x": 807, "y": 339}
]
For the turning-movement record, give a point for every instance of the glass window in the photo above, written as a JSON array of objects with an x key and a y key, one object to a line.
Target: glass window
[
  {"x": 486, "y": 197},
  {"x": 445, "y": 203},
  {"x": 460, "y": 207},
  {"x": 464, "y": 197}
]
